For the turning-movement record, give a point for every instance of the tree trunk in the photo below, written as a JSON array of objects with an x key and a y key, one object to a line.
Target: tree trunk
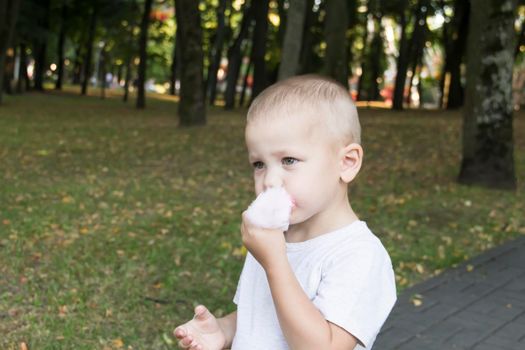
[
  {"x": 8, "y": 15},
  {"x": 40, "y": 47},
  {"x": 488, "y": 147},
  {"x": 459, "y": 42},
  {"x": 336, "y": 24},
  {"x": 8, "y": 71},
  {"x": 127, "y": 79},
  {"x": 143, "y": 42},
  {"x": 306, "y": 64},
  {"x": 235, "y": 57},
  {"x": 89, "y": 50},
  {"x": 260, "y": 33},
  {"x": 21, "y": 84},
  {"x": 175, "y": 63},
  {"x": 60, "y": 47},
  {"x": 192, "y": 110},
  {"x": 402, "y": 63},
  {"x": 376, "y": 69},
  {"x": 216, "y": 53},
  {"x": 293, "y": 39}
]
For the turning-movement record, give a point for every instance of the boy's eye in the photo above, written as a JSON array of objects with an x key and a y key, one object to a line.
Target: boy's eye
[
  {"x": 258, "y": 165},
  {"x": 289, "y": 161}
]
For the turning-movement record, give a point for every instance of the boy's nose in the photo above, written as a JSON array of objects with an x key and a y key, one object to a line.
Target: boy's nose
[{"x": 272, "y": 179}]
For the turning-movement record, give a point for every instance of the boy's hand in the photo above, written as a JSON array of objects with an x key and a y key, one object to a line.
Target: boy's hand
[
  {"x": 203, "y": 332},
  {"x": 267, "y": 246}
]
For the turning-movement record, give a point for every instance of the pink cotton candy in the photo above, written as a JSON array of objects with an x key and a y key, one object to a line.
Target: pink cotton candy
[{"x": 271, "y": 209}]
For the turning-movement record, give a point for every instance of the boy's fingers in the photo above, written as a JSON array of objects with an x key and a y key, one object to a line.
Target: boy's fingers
[
  {"x": 202, "y": 313},
  {"x": 179, "y": 332}
]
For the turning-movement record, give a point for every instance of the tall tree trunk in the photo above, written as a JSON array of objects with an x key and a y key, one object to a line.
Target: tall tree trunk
[
  {"x": 89, "y": 50},
  {"x": 260, "y": 33},
  {"x": 192, "y": 110},
  {"x": 127, "y": 79},
  {"x": 21, "y": 84},
  {"x": 143, "y": 42},
  {"x": 8, "y": 15},
  {"x": 235, "y": 57},
  {"x": 175, "y": 63},
  {"x": 402, "y": 62},
  {"x": 375, "y": 60},
  {"x": 40, "y": 49},
  {"x": 216, "y": 53},
  {"x": 336, "y": 24},
  {"x": 293, "y": 39},
  {"x": 459, "y": 43},
  {"x": 306, "y": 64},
  {"x": 103, "y": 70},
  {"x": 9, "y": 70},
  {"x": 60, "y": 47},
  {"x": 488, "y": 147}
]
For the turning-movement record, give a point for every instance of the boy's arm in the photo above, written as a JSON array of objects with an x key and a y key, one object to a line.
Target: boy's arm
[
  {"x": 303, "y": 325},
  {"x": 228, "y": 325}
]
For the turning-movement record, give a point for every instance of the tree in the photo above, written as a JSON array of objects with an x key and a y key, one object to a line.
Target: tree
[
  {"x": 8, "y": 16},
  {"x": 410, "y": 52},
  {"x": 260, "y": 77},
  {"x": 455, "y": 40},
  {"x": 143, "y": 41},
  {"x": 89, "y": 44},
  {"x": 488, "y": 149},
  {"x": 216, "y": 52},
  {"x": 192, "y": 110},
  {"x": 336, "y": 24},
  {"x": 293, "y": 39},
  {"x": 235, "y": 57},
  {"x": 40, "y": 43},
  {"x": 61, "y": 44}
]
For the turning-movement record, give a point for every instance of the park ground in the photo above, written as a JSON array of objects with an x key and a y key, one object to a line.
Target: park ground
[{"x": 115, "y": 222}]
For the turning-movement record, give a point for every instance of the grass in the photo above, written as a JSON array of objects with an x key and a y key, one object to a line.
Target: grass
[{"x": 114, "y": 222}]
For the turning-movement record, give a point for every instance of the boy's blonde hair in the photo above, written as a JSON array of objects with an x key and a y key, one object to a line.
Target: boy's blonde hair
[{"x": 318, "y": 97}]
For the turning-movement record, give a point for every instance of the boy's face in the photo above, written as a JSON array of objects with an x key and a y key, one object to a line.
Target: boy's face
[{"x": 298, "y": 155}]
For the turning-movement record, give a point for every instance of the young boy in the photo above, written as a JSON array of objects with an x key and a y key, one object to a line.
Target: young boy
[{"x": 327, "y": 282}]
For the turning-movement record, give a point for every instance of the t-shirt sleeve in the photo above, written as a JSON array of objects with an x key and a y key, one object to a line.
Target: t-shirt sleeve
[{"x": 357, "y": 289}]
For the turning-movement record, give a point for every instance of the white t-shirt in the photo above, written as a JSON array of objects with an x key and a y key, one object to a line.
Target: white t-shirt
[{"x": 347, "y": 274}]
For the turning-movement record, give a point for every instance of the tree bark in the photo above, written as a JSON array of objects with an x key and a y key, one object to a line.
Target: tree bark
[
  {"x": 175, "y": 63},
  {"x": 60, "y": 47},
  {"x": 216, "y": 53},
  {"x": 402, "y": 63},
  {"x": 143, "y": 56},
  {"x": 488, "y": 147},
  {"x": 21, "y": 84},
  {"x": 293, "y": 39},
  {"x": 89, "y": 51},
  {"x": 192, "y": 110},
  {"x": 459, "y": 43},
  {"x": 413, "y": 52},
  {"x": 336, "y": 24},
  {"x": 260, "y": 33},
  {"x": 40, "y": 48},
  {"x": 8, "y": 16},
  {"x": 235, "y": 58},
  {"x": 127, "y": 79}
]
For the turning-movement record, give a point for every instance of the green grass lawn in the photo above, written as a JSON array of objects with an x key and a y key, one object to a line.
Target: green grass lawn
[{"x": 114, "y": 222}]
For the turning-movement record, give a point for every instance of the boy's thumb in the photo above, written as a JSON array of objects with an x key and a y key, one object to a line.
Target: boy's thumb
[{"x": 202, "y": 313}]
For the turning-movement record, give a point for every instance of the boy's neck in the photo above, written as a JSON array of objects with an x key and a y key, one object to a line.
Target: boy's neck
[{"x": 338, "y": 215}]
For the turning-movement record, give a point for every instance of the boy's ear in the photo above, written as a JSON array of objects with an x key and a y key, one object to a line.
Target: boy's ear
[{"x": 351, "y": 158}]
